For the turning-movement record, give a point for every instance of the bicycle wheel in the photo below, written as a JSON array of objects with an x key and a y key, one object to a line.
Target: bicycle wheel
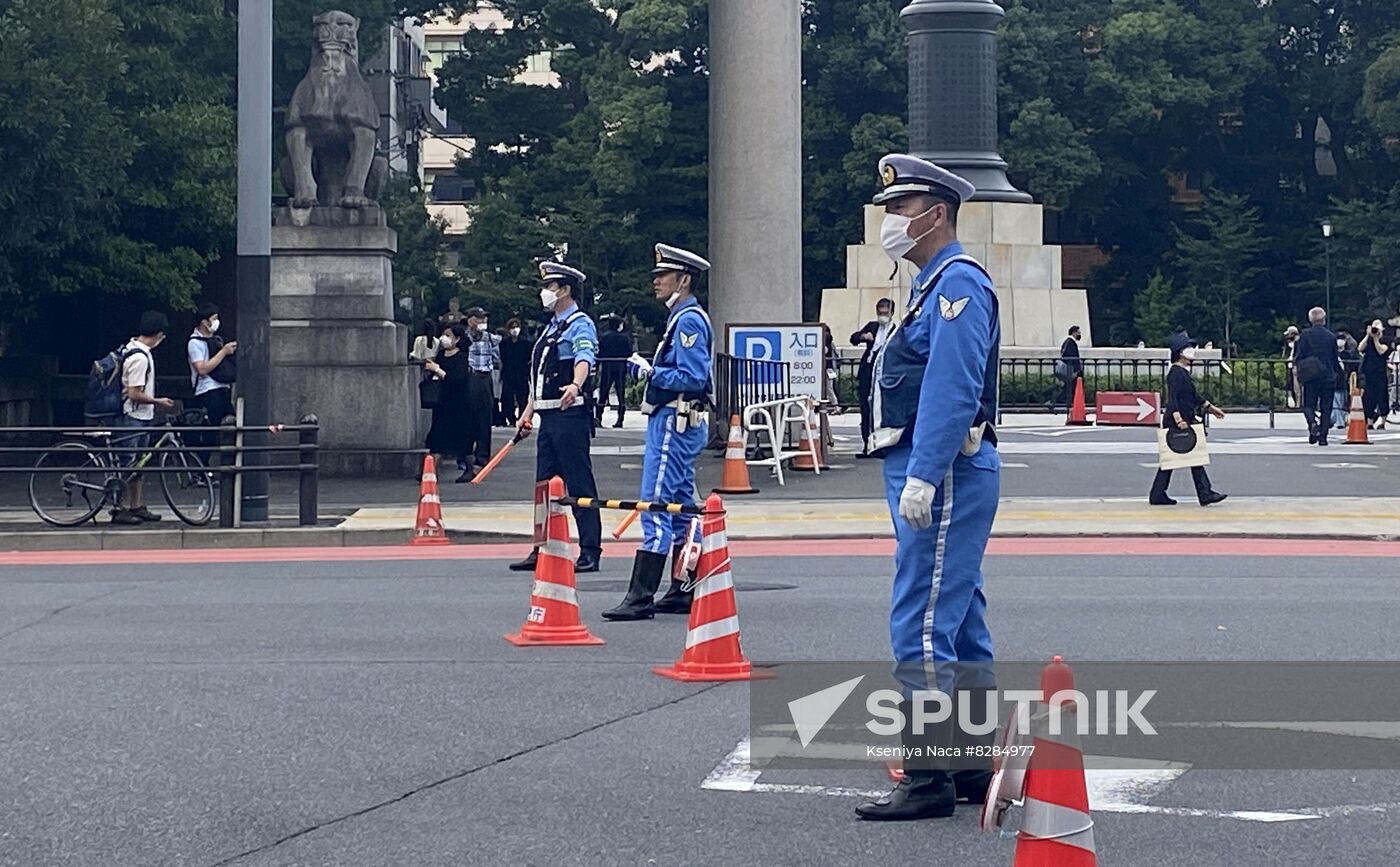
[
  {"x": 73, "y": 489},
  {"x": 188, "y": 487}
]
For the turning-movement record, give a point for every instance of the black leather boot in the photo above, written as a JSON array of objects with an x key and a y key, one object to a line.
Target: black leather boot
[
  {"x": 588, "y": 561},
  {"x": 646, "y": 577},
  {"x": 926, "y": 791},
  {"x": 528, "y": 564},
  {"x": 676, "y": 600}
]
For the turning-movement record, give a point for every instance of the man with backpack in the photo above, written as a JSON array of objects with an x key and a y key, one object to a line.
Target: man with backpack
[
  {"x": 139, "y": 402},
  {"x": 212, "y": 371}
]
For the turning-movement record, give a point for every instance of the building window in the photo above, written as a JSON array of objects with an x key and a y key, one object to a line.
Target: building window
[
  {"x": 449, "y": 189},
  {"x": 439, "y": 48},
  {"x": 539, "y": 62}
]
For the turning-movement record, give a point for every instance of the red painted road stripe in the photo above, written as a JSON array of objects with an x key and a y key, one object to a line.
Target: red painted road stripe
[{"x": 1004, "y": 547}]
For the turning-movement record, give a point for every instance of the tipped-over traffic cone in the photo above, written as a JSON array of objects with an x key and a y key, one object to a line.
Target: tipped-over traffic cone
[
  {"x": 712, "y": 651},
  {"x": 1056, "y": 828},
  {"x": 811, "y": 455},
  {"x": 1077, "y": 413},
  {"x": 736, "y": 465},
  {"x": 553, "y": 617},
  {"x": 1356, "y": 421},
  {"x": 427, "y": 527}
]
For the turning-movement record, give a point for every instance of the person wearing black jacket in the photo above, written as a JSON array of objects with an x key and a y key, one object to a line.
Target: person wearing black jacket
[
  {"x": 1182, "y": 408},
  {"x": 1316, "y": 362},
  {"x": 614, "y": 348},
  {"x": 873, "y": 336},
  {"x": 1072, "y": 366},
  {"x": 515, "y": 372}
]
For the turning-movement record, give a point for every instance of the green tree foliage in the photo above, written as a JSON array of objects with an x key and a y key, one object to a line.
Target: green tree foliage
[
  {"x": 1218, "y": 257},
  {"x": 421, "y": 270}
]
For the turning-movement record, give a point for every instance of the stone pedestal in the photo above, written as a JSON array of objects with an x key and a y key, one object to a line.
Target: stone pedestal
[
  {"x": 1006, "y": 237},
  {"x": 336, "y": 350}
]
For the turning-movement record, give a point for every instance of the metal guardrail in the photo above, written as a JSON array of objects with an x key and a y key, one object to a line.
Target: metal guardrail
[
  {"x": 740, "y": 382},
  {"x": 230, "y": 449},
  {"x": 1238, "y": 385}
]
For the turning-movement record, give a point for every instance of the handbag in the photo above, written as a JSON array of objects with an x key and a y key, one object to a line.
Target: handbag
[
  {"x": 1178, "y": 449},
  {"x": 1311, "y": 369},
  {"x": 1062, "y": 369},
  {"x": 429, "y": 393}
]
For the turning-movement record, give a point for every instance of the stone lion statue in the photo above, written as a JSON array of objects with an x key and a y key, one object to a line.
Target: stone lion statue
[{"x": 332, "y": 124}]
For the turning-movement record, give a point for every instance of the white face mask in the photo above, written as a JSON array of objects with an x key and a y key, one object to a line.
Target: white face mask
[
  {"x": 894, "y": 234},
  {"x": 548, "y": 298},
  {"x": 883, "y": 319},
  {"x": 447, "y": 342},
  {"x": 479, "y": 327},
  {"x": 214, "y": 325},
  {"x": 1189, "y": 353},
  {"x": 515, "y": 332}
]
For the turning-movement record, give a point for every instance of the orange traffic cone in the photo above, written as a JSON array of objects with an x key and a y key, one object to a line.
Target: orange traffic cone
[
  {"x": 428, "y": 528},
  {"x": 809, "y": 446},
  {"x": 736, "y": 466},
  {"x": 1077, "y": 413},
  {"x": 1356, "y": 421},
  {"x": 1056, "y": 828},
  {"x": 553, "y": 617},
  {"x": 712, "y": 651}
]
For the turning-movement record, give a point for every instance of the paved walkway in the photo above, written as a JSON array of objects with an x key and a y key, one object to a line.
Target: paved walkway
[{"x": 1341, "y": 517}]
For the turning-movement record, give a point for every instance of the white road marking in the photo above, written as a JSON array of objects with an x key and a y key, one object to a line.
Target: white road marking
[
  {"x": 1116, "y": 790},
  {"x": 1011, "y": 466},
  {"x": 1343, "y": 465}
]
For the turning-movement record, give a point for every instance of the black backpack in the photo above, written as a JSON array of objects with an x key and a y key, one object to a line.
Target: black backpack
[{"x": 227, "y": 371}]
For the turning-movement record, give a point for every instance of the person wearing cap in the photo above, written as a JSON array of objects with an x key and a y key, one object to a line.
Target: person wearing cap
[
  {"x": 484, "y": 359},
  {"x": 1182, "y": 407},
  {"x": 1290, "y": 347},
  {"x": 679, "y": 391},
  {"x": 561, "y": 367},
  {"x": 934, "y": 405}
]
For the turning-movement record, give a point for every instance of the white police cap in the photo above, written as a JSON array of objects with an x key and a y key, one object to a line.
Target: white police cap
[
  {"x": 905, "y": 175},
  {"x": 557, "y": 272},
  {"x": 670, "y": 258}
]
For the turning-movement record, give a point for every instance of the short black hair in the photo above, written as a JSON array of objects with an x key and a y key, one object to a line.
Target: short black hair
[
  {"x": 1072, "y": 329},
  {"x": 153, "y": 322},
  {"x": 207, "y": 310},
  {"x": 884, "y": 302},
  {"x": 458, "y": 330},
  {"x": 953, "y": 206}
]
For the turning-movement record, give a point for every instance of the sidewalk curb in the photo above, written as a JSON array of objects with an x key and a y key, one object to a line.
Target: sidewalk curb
[{"x": 333, "y": 537}]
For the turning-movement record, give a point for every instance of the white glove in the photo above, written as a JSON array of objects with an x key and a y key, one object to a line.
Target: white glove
[
  {"x": 916, "y": 503},
  {"x": 641, "y": 368}
]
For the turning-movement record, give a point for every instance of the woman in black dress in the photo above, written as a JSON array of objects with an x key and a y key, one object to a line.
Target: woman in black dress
[
  {"x": 1182, "y": 408},
  {"x": 450, "y": 434}
]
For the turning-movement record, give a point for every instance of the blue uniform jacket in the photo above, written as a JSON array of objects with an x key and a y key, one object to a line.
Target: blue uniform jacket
[
  {"x": 959, "y": 328},
  {"x": 683, "y": 362},
  {"x": 580, "y": 340}
]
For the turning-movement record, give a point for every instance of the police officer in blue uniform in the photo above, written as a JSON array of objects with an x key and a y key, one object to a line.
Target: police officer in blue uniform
[
  {"x": 561, "y": 370},
  {"x": 934, "y": 407},
  {"x": 678, "y": 396}
]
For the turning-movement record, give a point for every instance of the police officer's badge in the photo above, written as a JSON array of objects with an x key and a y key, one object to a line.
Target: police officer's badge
[
  {"x": 688, "y": 340},
  {"x": 952, "y": 309},
  {"x": 887, "y": 175}
]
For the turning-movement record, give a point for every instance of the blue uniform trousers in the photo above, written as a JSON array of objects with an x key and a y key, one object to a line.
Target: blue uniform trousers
[
  {"x": 562, "y": 450},
  {"x": 937, "y": 610},
  {"x": 668, "y": 476}
]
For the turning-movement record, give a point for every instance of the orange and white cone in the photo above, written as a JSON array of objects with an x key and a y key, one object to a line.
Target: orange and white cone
[
  {"x": 712, "y": 651},
  {"x": 553, "y": 618},
  {"x": 736, "y": 465},
  {"x": 428, "y": 528},
  {"x": 810, "y": 445},
  {"x": 1078, "y": 414},
  {"x": 1057, "y": 829},
  {"x": 1356, "y": 421}
]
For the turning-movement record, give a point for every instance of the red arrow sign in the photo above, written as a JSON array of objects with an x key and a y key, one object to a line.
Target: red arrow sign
[{"x": 1128, "y": 408}]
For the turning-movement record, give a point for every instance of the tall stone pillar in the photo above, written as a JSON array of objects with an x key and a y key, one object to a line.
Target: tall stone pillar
[
  {"x": 953, "y": 91},
  {"x": 755, "y": 61}
]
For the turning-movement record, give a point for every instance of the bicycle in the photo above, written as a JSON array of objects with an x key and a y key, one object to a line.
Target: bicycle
[{"x": 82, "y": 476}]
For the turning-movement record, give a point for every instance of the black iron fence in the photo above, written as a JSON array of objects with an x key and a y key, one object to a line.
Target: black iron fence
[
  {"x": 1032, "y": 384},
  {"x": 740, "y": 382}
]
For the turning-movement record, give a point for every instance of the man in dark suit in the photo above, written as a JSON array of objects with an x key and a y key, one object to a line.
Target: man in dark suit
[
  {"x": 614, "y": 348},
  {"x": 1315, "y": 360},
  {"x": 873, "y": 337},
  {"x": 1071, "y": 366}
]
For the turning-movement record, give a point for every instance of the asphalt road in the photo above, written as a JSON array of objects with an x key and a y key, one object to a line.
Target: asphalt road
[{"x": 368, "y": 713}]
